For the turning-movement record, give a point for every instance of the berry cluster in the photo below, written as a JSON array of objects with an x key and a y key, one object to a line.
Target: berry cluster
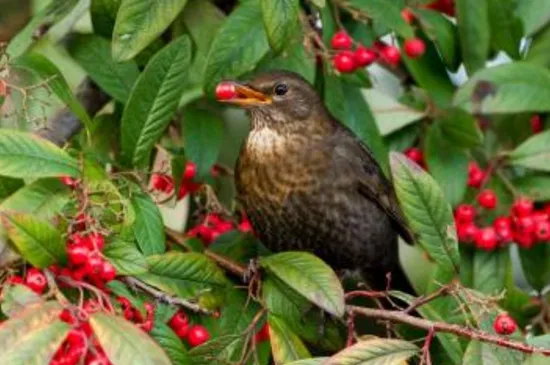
[
  {"x": 80, "y": 345},
  {"x": 345, "y": 60},
  {"x": 34, "y": 280},
  {"x": 165, "y": 184},
  {"x": 195, "y": 335},
  {"x": 214, "y": 225},
  {"x": 504, "y": 324},
  {"x": 134, "y": 315}
]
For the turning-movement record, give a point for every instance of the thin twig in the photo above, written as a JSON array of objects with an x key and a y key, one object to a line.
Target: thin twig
[
  {"x": 471, "y": 333},
  {"x": 420, "y": 301},
  {"x": 165, "y": 298},
  {"x": 426, "y": 358}
]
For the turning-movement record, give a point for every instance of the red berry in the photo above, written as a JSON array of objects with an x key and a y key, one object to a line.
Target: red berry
[
  {"x": 475, "y": 175},
  {"x": 97, "y": 359},
  {"x": 542, "y": 230},
  {"x": 390, "y": 55},
  {"x": 197, "y": 335},
  {"x": 536, "y": 123},
  {"x": 540, "y": 216},
  {"x": 190, "y": 171},
  {"x": 486, "y": 239},
  {"x": 96, "y": 240},
  {"x": 226, "y": 91},
  {"x": 503, "y": 228},
  {"x": 364, "y": 56},
  {"x": 81, "y": 221},
  {"x": 344, "y": 61},
  {"x": 108, "y": 271},
  {"x": 78, "y": 274},
  {"x": 162, "y": 182},
  {"x": 341, "y": 40},
  {"x": 524, "y": 231},
  {"x": 67, "y": 316},
  {"x": 465, "y": 213},
  {"x": 407, "y": 15},
  {"x": 68, "y": 181},
  {"x": 36, "y": 280},
  {"x": 263, "y": 334},
  {"x": 504, "y": 324},
  {"x": 15, "y": 280},
  {"x": 76, "y": 338},
  {"x": 147, "y": 326},
  {"x": 245, "y": 226},
  {"x": 78, "y": 253},
  {"x": 467, "y": 232},
  {"x": 3, "y": 88},
  {"x": 414, "y": 47},
  {"x": 522, "y": 207},
  {"x": 487, "y": 199},
  {"x": 415, "y": 154},
  {"x": 94, "y": 265},
  {"x": 178, "y": 319},
  {"x": 444, "y": 6}
]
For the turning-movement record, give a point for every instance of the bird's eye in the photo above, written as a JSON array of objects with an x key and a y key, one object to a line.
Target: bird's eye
[{"x": 281, "y": 89}]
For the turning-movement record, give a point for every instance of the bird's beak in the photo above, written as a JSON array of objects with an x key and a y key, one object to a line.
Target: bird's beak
[{"x": 247, "y": 96}]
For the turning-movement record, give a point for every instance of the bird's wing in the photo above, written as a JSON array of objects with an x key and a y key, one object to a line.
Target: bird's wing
[{"x": 371, "y": 181}]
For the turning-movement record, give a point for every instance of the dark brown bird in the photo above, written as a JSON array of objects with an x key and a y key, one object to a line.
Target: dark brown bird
[{"x": 308, "y": 183}]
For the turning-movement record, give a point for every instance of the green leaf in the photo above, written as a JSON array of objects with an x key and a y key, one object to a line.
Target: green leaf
[
  {"x": 534, "y": 262},
  {"x": 506, "y": 27},
  {"x": 286, "y": 346},
  {"x": 375, "y": 352},
  {"x": 460, "y": 128},
  {"x": 539, "y": 49},
  {"x": 347, "y": 103},
  {"x": 139, "y": 22},
  {"x": 474, "y": 31},
  {"x": 478, "y": 353},
  {"x": 43, "y": 198},
  {"x": 183, "y": 274},
  {"x": 38, "y": 242},
  {"x": 309, "y": 276},
  {"x": 154, "y": 100},
  {"x": 239, "y": 45},
  {"x": 33, "y": 336},
  {"x": 536, "y": 187},
  {"x": 124, "y": 343},
  {"x": 148, "y": 226},
  {"x": 428, "y": 213},
  {"x": 430, "y": 74},
  {"x": 442, "y": 32},
  {"x": 27, "y": 156},
  {"x": 533, "y": 153},
  {"x": 103, "y": 14},
  {"x": 512, "y": 88},
  {"x": 170, "y": 342},
  {"x": 534, "y": 14},
  {"x": 447, "y": 163},
  {"x": 125, "y": 257},
  {"x": 15, "y": 299},
  {"x": 490, "y": 271},
  {"x": 280, "y": 21},
  {"x": 312, "y": 361},
  {"x": 51, "y": 75},
  {"x": 93, "y": 54},
  {"x": 8, "y": 186},
  {"x": 387, "y": 13},
  {"x": 202, "y": 136}
]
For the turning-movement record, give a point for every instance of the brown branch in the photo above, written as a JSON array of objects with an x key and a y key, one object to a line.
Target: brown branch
[
  {"x": 471, "y": 333},
  {"x": 420, "y": 301},
  {"x": 164, "y": 297},
  {"x": 426, "y": 357},
  {"x": 224, "y": 262}
]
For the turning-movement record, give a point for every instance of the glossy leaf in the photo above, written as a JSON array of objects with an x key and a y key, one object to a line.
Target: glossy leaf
[
  {"x": 103, "y": 14},
  {"x": 490, "y": 270},
  {"x": 536, "y": 187},
  {"x": 312, "y": 361},
  {"x": 8, "y": 186},
  {"x": 15, "y": 299},
  {"x": 387, "y": 13},
  {"x": 506, "y": 27},
  {"x": 24, "y": 155},
  {"x": 534, "y": 262},
  {"x": 479, "y": 353},
  {"x": 51, "y": 75},
  {"x": 239, "y": 45},
  {"x": 375, "y": 352},
  {"x": 280, "y": 20},
  {"x": 38, "y": 242},
  {"x": 533, "y": 153},
  {"x": 309, "y": 276},
  {"x": 154, "y": 100},
  {"x": 124, "y": 343},
  {"x": 203, "y": 137},
  {"x": 512, "y": 88},
  {"x": 43, "y": 198},
  {"x": 534, "y": 14},
  {"x": 139, "y": 22},
  {"x": 148, "y": 227},
  {"x": 460, "y": 128},
  {"x": 170, "y": 342},
  {"x": 427, "y": 212},
  {"x": 286, "y": 346},
  {"x": 125, "y": 257},
  {"x": 93, "y": 54},
  {"x": 539, "y": 49},
  {"x": 474, "y": 31},
  {"x": 183, "y": 274}
]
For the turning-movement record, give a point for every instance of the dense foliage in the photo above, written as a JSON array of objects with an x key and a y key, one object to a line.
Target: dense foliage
[{"x": 121, "y": 242}]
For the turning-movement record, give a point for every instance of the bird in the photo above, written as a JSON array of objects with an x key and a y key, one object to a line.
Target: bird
[{"x": 307, "y": 183}]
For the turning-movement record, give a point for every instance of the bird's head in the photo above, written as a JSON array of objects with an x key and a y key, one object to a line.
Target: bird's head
[{"x": 274, "y": 99}]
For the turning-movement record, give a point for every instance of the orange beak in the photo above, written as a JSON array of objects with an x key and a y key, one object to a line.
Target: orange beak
[{"x": 247, "y": 96}]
